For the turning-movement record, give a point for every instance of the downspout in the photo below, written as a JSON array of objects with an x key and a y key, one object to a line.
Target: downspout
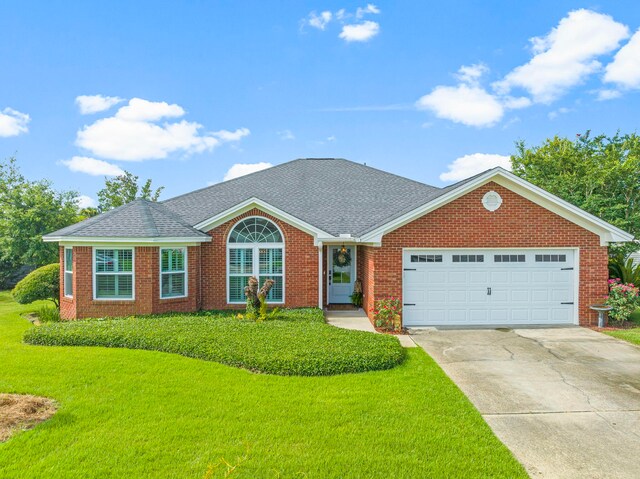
[{"x": 320, "y": 277}]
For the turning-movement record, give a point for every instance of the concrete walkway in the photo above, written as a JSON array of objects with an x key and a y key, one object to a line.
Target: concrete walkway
[
  {"x": 358, "y": 320},
  {"x": 566, "y": 401}
]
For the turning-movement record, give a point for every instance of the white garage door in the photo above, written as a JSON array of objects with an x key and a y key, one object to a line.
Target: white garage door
[{"x": 488, "y": 287}]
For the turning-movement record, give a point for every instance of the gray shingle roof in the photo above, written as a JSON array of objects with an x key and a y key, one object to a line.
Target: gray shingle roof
[
  {"x": 138, "y": 219},
  {"x": 334, "y": 195}
]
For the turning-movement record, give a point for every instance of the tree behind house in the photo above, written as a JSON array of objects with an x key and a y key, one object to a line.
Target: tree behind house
[
  {"x": 28, "y": 210},
  {"x": 599, "y": 174},
  {"x": 123, "y": 189}
]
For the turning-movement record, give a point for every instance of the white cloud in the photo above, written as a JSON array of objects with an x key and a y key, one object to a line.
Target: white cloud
[
  {"x": 84, "y": 201},
  {"x": 89, "y": 104},
  {"x": 608, "y": 94},
  {"x": 13, "y": 122},
  {"x": 469, "y": 165},
  {"x": 552, "y": 115},
  {"x": 469, "y": 105},
  {"x": 286, "y": 135},
  {"x": 566, "y": 55},
  {"x": 369, "y": 9},
  {"x": 241, "y": 169},
  {"x": 331, "y": 138},
  {"x": 360, "y": 32},
  {"x": 91, "y": 166},
  {"x": 319, "y": 21},
  {"x": 468, "y": 102},
  {"x": 226, "y": 135},
  {"x": 624, "y": 70},
  {"x": 134, "y": 134},
  {"x": 471, "y": 74},
  {"x": 145, "y": 110}
]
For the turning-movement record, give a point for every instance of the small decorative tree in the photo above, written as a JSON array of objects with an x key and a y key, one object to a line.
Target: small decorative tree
[
  {"x": 41, "y": 284},
  {"x": 257, "y": 299}
]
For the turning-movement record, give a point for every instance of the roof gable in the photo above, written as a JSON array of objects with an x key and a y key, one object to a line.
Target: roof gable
[{"x": 607, "y": 232}]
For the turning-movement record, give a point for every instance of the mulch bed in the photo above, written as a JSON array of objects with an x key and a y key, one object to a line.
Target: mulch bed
[
  {"x": 617, "y": 326},
  {"x": 19, "y": 412}
]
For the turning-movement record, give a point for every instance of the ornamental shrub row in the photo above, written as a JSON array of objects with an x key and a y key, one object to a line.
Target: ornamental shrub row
[{"x": 297, "y": 342}]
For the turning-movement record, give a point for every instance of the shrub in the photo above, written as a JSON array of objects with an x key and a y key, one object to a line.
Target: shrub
[
  {"x": 48, "y": 315},
  {"x": 41, "y": 284},
  {"x": 386, "y": 314},
  {"x": 623, "y": 298},
  {"x": 624, "y": 269},
  {"x": 296, "y": 342}
]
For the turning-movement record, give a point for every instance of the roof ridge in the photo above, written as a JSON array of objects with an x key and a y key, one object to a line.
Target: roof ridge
[
  {"x": 364, "y": 165},
  {"x": 159, "y": 207},
  {"x": 148, "y": 216}
]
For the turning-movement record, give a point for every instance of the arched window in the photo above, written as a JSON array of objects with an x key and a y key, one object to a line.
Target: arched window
[{"x": 255, "y": 248}]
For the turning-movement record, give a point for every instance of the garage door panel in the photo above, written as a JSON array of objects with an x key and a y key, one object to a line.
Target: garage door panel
[
  {"x": 521, "y": 296},
  {"x": 540, "y": 277},
  {"x": 478, "y": 315},
  {"x": 522, "y": 292},
  {"x": 499, "y": 277},
  {"x": 520, "y": 277},
  {"x": 454, "y": 277},
  {"x": 476, "y": 277},
  {"x": 437, "y": 277}
]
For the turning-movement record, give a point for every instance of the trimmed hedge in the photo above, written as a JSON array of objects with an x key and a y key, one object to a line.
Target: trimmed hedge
[
  {"x": 41, "y": 284},
  {"x": 298, "y": 342}
]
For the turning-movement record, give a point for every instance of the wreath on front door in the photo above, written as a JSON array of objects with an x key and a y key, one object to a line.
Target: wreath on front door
[{"x": 341, "y": 258}]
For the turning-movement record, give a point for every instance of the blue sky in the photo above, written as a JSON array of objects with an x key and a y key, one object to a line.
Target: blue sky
[{"x": 183, "y": 91}]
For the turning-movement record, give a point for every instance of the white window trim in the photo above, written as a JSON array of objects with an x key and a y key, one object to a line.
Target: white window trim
[
  {"x": 185, "y": 271},
  {"x": 133, "y": 274},
  {"x": 64, "y": 273},
  {"x": 256, "y": 263}
]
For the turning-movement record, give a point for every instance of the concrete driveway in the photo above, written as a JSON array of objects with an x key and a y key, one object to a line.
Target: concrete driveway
[{"x": 566, "y": 401}]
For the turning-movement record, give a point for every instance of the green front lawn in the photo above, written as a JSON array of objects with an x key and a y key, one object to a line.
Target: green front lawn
[
  {"x": 631, "y": 335},
  {"x": 148, "y": 414},
  {"x": 298, "y": 342}
]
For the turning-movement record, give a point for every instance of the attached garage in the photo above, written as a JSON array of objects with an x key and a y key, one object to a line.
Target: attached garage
[{"x": 467, "y": 287}]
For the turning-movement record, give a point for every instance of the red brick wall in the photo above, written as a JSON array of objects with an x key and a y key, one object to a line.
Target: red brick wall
[
  {"x": 301, "y": 265},
  {"x": 147, "y": 287},
  {"x": 465, "y": 223},
  {"x": 366, "y": 272}
]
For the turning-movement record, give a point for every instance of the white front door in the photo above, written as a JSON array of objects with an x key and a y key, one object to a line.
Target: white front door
[
  {"x": 490, "y": 287},
  {"x": 341, "y": 278}
]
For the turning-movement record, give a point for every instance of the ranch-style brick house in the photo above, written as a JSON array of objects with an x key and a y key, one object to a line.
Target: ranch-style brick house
[{"x": 490, "y": 250}]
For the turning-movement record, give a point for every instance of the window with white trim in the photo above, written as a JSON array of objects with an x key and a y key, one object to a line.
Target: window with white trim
[
  {"x": 68, "y": 272},
  {"x": 113, "y": 273},
  {"x": 255, "y": 248},
  {"x": 173, "y": 272}
]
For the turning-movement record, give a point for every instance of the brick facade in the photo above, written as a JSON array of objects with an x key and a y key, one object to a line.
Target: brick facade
[
  {"x": 463, "y": 223},
  {"x": 207, "y": 277}
]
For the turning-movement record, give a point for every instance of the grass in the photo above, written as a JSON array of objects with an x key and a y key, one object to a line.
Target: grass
[
  {"x": 298, "y": 342},
  {"x": 631, "y": 335},
  {"x": 147, "y": 414}
]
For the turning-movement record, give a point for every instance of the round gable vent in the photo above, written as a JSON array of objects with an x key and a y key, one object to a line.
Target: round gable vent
[{"x": 491, "y": 200}]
